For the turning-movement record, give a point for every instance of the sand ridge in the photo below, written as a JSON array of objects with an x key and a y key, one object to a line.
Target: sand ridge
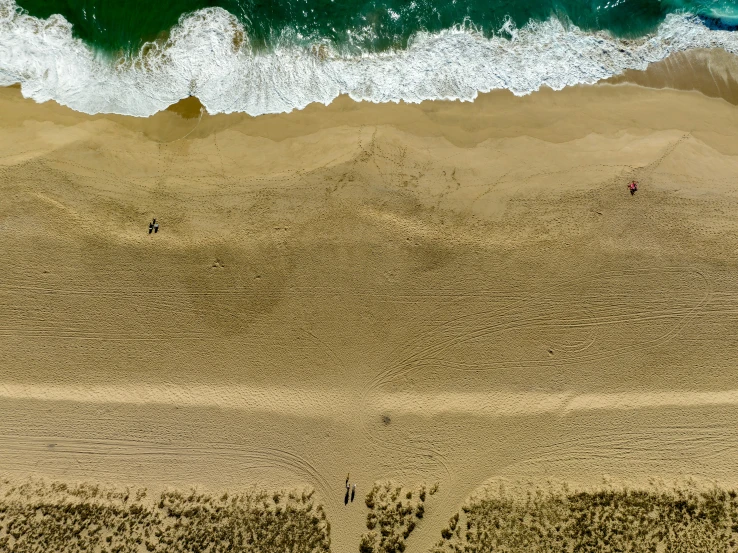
[{"x": 330, "y": 404}]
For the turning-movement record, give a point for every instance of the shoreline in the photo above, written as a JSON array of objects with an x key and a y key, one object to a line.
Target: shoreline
[
  {"x": 711, "y": 73},
  {"x": 452, "y": 64}
]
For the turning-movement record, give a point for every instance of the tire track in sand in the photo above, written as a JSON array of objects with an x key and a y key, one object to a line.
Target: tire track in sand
[
  {"x": 252, "y": 458},
  {"x": 525, "y": 313}
]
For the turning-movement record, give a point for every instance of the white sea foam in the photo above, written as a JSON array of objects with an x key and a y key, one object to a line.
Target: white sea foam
[{"x": 204, "y": 57}]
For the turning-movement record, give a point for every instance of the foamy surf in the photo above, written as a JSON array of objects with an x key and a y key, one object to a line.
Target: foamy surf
[{"x": 208, "y": 55}]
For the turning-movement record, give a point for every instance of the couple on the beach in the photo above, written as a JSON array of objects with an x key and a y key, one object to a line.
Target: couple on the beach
[{"x": 349, "y": 489}]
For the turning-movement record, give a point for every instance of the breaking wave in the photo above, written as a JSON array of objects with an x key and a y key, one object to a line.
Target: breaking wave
[{"x": 208, "y": 55}]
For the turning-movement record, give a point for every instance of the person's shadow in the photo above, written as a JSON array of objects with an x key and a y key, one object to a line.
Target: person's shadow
[{"x": 346, "y": 499}]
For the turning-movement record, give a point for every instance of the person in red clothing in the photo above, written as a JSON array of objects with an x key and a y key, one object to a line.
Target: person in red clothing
[{"x": 633, "y": 187}]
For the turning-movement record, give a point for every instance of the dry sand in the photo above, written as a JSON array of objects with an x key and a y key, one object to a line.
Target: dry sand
[{"x": 439, "y": 292}]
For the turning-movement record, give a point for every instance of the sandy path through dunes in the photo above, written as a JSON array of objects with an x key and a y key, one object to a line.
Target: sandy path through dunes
[{"x": 442, "y": 292}]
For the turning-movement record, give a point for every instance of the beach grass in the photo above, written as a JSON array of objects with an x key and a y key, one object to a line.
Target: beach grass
[
  {"x": 679, "y": 520},
  {"x": 36, "y": 516},
  {"x": 394, "y": 512}
]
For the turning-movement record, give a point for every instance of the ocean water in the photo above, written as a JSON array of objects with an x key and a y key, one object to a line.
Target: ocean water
[{"x": 137, "y": 57}]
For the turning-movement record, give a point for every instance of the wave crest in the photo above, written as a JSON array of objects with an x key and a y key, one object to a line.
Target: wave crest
[{"x": 208, "y": 55}]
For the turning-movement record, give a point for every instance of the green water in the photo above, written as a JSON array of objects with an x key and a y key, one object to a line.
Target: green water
[{"x": 126, "y": 24}]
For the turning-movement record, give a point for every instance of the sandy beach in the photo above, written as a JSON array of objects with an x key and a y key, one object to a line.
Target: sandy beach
[{"x": 444, "y": 292}]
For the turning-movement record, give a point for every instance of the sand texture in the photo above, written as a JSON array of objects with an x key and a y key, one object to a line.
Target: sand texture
[{"x": 441, "y": 292}]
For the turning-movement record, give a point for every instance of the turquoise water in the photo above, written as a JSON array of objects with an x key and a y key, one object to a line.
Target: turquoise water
[
  {"x": 274, "y": 56},
  {"x": 372, "y": 26}
]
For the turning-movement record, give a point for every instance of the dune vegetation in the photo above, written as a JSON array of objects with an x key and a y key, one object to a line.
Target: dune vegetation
[
  {"x": 394, "y": 512},
  {"x": 38, "y": 516},
  {"x": 35, "y": 516},
  {"x": 682, "y": 520}
]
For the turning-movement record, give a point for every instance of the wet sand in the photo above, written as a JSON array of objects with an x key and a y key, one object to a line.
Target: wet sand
[{"x": 438, "y": 292}]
